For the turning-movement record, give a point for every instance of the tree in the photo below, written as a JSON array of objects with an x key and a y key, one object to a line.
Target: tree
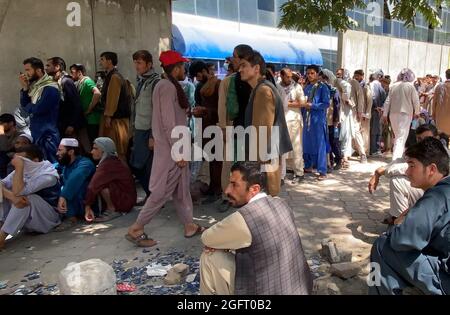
[{"x": 312, "y": 16}]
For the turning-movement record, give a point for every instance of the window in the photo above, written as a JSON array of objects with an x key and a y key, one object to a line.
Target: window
[
  {"x": 248, "y": 11},
  {"x": 207, "y": 8},
  {"x": 228, "y": 10},
  {"x": 278, "y": 9},
  {"x": 359, "y": 17},
  {"x": 266, "y": 5},
  {"x": 184, "y": 6},
  {"x": 266, "y": 18}
]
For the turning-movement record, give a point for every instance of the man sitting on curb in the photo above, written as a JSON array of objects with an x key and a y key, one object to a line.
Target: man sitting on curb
[
  {"x": 30, "y": 195},
  {"x": 257, "y": 250},
  {"x": 76, "y": 172},
  {"x": 414, "y": 255},
  {"x": 402, "y": 195}
]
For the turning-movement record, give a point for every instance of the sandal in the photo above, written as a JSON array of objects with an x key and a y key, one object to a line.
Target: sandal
[
  {"x": 199, "y": 231},
  {"x": 140, "y": 240},
  {"x": 322, "y": 177},
  {"x": 107, "y": 216}
]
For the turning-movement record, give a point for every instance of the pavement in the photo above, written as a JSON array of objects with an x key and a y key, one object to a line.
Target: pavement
[{"x": 339, "y": 208}]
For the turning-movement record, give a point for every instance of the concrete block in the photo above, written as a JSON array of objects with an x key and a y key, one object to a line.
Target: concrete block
[
  {"x": 90, "y": 277},
  {"x": 345, "y": 270}
]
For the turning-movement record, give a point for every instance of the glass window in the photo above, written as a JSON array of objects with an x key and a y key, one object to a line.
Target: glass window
[
  {"x": 359, "y": 17},
  {"x": 278, "y": 10},
  {"x": 446, "y": 22},
  {"x": 184, "y": 6},
  {"x": 387, "y": 27},
  {"x": 266, "y": 5},
  {"x": 228, "y": 10},
  {"x": 248, "y": 11},
  {"x": 207, "y": 8},
  {"x": 266, "y": 18}
]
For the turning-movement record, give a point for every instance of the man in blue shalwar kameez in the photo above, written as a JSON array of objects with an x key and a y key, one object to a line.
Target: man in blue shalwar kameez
[
  {"x": 76, "y": 173},
  {"x": 414, "y": 255},
  {"x": 40, "y": 98},
  {"x": 315, "y": 130}
]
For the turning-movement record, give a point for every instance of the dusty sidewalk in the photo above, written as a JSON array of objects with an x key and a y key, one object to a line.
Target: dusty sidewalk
[{"x": 339, "y": 208}]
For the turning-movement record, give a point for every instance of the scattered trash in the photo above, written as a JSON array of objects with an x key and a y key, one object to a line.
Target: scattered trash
[
  {"x": 126, "y": 287},
  {"x": 191, "y": 278},
  {"x": 157, "y": 270},
  {"x": 3, "y": 284},
  {"x": 135, "y": 276}
]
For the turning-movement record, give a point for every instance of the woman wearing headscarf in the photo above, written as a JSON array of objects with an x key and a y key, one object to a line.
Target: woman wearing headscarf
[
  {"x": 112, "y": 181},
  {"x": 401, "y": 105}
]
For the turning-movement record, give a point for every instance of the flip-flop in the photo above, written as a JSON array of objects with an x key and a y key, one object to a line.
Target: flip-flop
[
  {"x": 107, "y": 216},
  {"x": 138, "y": 240},
  {"x": 199, "y": 231}
]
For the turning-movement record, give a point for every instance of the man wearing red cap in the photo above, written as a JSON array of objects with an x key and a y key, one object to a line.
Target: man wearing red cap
[{"x": 169, "y": 178}]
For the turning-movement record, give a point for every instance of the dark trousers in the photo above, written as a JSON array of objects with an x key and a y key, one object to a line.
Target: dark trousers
[
  {"x": 375, "y": 132},
  {"x": 335, "y": 154},
  {"x": 141, "y": 159},
  {"x": 92, "y": 131},
  {"x": 4, "y": 160},
  {"x": 215, "y": 173}
]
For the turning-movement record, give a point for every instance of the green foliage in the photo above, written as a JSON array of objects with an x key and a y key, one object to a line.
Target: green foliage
[{"x": 312, "y": 16}]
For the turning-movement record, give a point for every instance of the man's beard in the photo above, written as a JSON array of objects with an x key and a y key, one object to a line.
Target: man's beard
[
  {"x": 33, "y": 78},
  {"x": 235, "y": 205},
  {"x": 64, "y": 160}
]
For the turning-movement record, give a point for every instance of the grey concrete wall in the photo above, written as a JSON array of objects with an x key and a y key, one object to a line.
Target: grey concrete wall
[
  {"x": 398, "y": 56},
  {"x": 391, "y": 54},
  {"x": 354, "y": 51},
  {"x": 39, "y": 28},
  {"x": 378, "y": 58},
  {"x": 445, "y": 60}
]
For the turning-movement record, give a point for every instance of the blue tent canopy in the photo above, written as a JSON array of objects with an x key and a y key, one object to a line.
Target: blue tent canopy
[{"x": 198, "y": 43}]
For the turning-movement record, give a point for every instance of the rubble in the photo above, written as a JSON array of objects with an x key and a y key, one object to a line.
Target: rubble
[
  {"x": 177, "y": 274},
  {"x": 345, "y": 270},
  {"x": 333, "y": 254}
]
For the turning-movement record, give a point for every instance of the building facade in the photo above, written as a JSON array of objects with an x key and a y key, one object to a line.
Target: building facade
[{"x": 258, "y": 18}]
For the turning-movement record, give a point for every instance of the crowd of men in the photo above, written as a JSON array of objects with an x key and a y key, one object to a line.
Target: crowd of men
[{"x": 74, "y": 148}]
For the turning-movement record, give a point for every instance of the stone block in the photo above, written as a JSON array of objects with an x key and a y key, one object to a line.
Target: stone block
[
  {"x": 345, "y": 270},
  {"x": 177, "y": 274},
  {"x": 333, "y": 254},
  {"x": 90, "y": 277}
]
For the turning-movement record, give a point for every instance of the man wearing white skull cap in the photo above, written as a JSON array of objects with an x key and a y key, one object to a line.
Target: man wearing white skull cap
[{"x": 76, "y": 172}]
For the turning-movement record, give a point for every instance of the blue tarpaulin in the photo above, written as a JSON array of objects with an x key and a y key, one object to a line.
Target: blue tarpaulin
[{"x": 199, "y": 43}]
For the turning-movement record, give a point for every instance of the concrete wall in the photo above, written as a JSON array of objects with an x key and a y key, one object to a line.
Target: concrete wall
[
  {"x": 39, "y": 28},
  {"x": 391, "y": 54},
  {"x": 354, "y": 50},
  {"x": 377, "y": 58}
]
